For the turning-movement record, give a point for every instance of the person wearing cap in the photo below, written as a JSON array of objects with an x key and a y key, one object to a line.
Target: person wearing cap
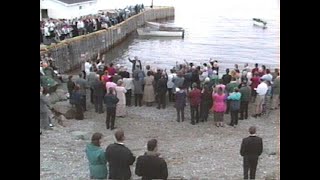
[
  {"x": 245, "y": 91},
  {"x": 195, "y": 99},
  {"x": 251, "y": 148},
  {"x": 234, "y": 99}
]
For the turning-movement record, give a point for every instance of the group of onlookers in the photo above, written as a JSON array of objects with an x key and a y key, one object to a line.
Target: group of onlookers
[
  {"x": 198, "y": 86},
  {"x": 115, "y": 161},
  {"x": 55, "y": 30}
]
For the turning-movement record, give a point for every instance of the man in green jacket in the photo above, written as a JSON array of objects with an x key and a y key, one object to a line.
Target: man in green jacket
[
  {"x": 97, "y": 159},
  {"x": 245, "y": 91}
]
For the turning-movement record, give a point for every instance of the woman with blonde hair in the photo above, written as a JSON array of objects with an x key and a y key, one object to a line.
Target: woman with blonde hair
[{"x": 121, "y": 95}]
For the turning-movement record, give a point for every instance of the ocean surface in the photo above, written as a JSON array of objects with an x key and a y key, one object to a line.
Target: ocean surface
[{"x": 222, "y": 30}]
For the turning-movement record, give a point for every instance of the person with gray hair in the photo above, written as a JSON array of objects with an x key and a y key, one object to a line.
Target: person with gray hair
[
  {"x": 251, "y": 148},
  {"x": 121, "y": 94}
]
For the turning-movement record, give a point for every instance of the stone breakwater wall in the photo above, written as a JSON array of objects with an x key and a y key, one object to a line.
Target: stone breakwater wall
[{"x": 69, "y": 53}]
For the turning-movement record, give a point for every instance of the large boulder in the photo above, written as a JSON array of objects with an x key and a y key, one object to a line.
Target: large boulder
[
  {"x": 70, "y": 114},
  {"x": 58, "y": 95},
  {"x": 62, "y": 106}
]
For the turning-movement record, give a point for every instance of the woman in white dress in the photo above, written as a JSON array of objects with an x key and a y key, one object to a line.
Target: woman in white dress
[{"x": 121, "y": 94}]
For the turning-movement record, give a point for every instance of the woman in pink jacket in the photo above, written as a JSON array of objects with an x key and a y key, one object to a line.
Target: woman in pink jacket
[{"x": 219, "y": 105}]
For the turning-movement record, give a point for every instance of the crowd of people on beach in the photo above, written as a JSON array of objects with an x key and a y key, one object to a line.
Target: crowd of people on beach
[
  {"x": 199, "y": 86},
  {"x": 56, "y": 30}
]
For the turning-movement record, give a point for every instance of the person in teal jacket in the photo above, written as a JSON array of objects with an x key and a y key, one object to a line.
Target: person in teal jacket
[
  {"x": 234, "y": 99},
  {"x": 97, "y": 159}
]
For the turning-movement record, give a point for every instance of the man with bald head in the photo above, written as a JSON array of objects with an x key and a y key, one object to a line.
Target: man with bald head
[{"x": 119, "y": 157}]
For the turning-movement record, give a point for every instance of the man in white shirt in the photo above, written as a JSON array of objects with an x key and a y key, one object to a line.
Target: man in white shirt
[
  {"x": 87, "y": 67},
  {"x": 261, "y": 93},
  {"x": 267, "y": 76}
]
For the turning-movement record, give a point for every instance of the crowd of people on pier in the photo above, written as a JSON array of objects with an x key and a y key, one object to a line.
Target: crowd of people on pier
[{"x": 55, "y": 30}]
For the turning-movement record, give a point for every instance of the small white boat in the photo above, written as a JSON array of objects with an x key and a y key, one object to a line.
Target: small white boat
[
  {"x": 259, "y": 22},
  {"x": 163, "y": 33}
]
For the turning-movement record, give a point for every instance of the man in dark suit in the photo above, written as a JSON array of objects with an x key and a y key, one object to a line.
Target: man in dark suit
[
  {"x": 111, "y": 101},
  {"x": 98, "y": 94},
  {"x": 134, "y": 62},
  {"x": 150, "y": 165},
  {"x": 119, "y": 158},
  {"x": 251, "y": 149}
]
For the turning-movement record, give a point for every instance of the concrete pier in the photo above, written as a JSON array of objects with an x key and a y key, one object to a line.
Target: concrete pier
[{"x": 68, "y": 53}]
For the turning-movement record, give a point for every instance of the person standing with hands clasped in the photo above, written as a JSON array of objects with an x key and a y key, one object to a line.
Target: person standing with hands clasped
[{"x": 251, "y": 149}]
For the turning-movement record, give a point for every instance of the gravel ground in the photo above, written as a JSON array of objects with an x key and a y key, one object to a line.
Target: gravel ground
[{"x": 203, "y": 150}]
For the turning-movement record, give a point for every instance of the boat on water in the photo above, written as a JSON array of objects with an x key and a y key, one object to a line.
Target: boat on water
[
  {"x": 164, "y": 30},
  {"x": 259, "y": 22}
]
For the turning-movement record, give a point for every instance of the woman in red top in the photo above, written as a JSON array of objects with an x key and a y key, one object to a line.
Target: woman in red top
[{"x": 255, "y": 81}]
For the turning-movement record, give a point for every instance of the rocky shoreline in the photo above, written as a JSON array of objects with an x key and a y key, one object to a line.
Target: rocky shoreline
[{"x": 201, "y": 151}]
